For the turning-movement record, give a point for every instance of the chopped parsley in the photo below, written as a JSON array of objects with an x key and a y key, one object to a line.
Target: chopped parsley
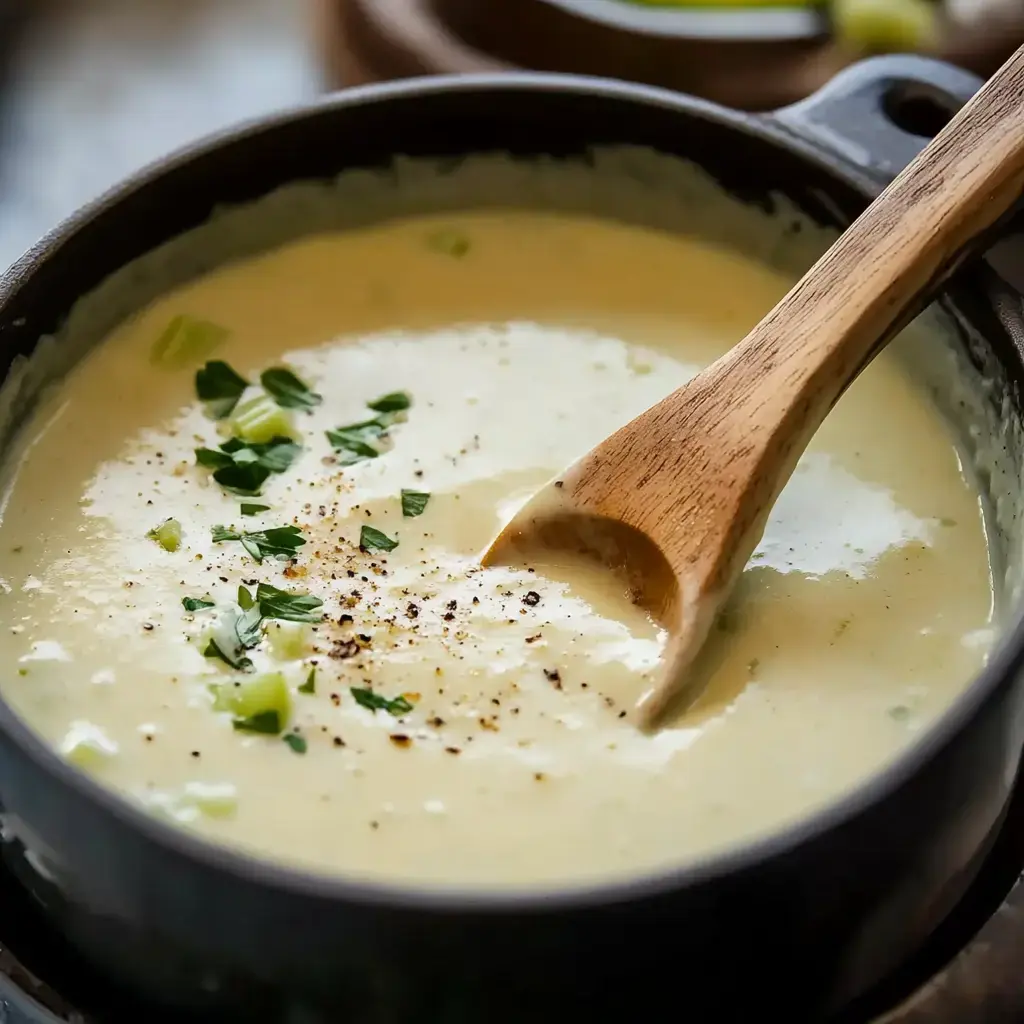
[
  {"x": 371, "y": 539},
  {"x": 214, "y": 458},
  {"x": 253, "y": 510},
  {"x": 309, "y": 686},
  {"x": 232, "y": 656},
  {"x": 247, "y": 627},
  {"x": 368, "y": 439},
  {"x": 266, "y": 722},
  {"x": 296, "y": 742},
  {"x": 276, "y": 454},
  {"x": 414, "y": 503},
  {"x": 280, "y": 542},
  {"x": 220, "y": 387},
  {"x": 375, "y": 702},
  {"x": 241, "y": 629},
  {"x": 242, "y": 479},
  {"x": 395, "y": 401},
  {"x": 287, "y": 390},
  {"x": 359, "y": 441},
  {"x": 244, "y": 468},
  {"x": 186, "y": 340},
  {"x": 236, "y": 633},
  {"x": 279, "y": 604},
  {"x": 195, "y": 604}
]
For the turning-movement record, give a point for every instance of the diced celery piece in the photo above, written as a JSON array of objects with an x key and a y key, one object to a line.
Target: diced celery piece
[
  {"x": 449, "y": 241},
  {"x": 260, "y": 419},
  {"x": 167, "y": 534},
  {"x": 186, "y": 340},
  {"x": 289, "y": 641},
  {"x": 213, "y": 799},
  {"x": 247, "y": 698},
  {"x": 87, "y": 745},
  {"x": 888, "y": 26}
]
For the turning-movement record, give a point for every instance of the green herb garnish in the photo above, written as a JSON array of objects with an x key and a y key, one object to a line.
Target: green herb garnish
[
  {"x": 356, "y": 442},
  {"x": 230, "y": 656},
  {"x": 185, "y": 341},
  {"x": 247, "y": 478},
  {"x": 235, "y": 634},
  {"x": 220, "y": 387},
  {"x": 287, "y": 390},
  {"x": 367, "y": 440},
  {"x": 395, "y": 401},
  {"x": 244, "y": 468},
  {"x": 276, "y": 455},
  {"x": 212, "y": 458},
  {"x": 280, "y": 542},
  {"x": 247, "y": 627},
  {"x": 371, "y": 539},
  {"x": 450, "y": 242},
  {"x": 253, "y": 510},
  {"x": 266, "y": 722},
  {"x": 195, "y": 604},
  {"x": 279, "y": 604},
  {"x": 296, "y": 742},
  {"x": 309, "y": 686},
  {"x": 242, "y": 629},
  {"x": 414, "y": 503},
  {"x": 375, "y": 702}
]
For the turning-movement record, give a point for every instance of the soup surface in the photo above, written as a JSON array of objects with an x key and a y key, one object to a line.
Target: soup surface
[{"x": 434, "y": 722}]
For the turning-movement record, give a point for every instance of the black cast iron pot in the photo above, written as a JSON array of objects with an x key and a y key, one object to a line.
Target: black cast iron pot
[{"x": 802, "y": 923}]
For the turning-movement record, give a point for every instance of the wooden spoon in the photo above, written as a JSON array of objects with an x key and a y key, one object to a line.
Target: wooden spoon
[{"x": 677, "y": 499}]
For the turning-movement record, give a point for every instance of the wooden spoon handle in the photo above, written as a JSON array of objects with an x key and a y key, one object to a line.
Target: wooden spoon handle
[{"x": 810, "y": 347}]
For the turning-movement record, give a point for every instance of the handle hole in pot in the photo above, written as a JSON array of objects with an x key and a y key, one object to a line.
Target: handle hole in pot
[{"x": 917, "y": 109}]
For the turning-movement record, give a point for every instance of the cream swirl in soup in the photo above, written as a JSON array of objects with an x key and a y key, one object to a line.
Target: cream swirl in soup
[{"x": 257, "y": 610}]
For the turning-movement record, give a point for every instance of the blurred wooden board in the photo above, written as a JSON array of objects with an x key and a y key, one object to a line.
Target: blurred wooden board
[{"x": 375, "y": 40}]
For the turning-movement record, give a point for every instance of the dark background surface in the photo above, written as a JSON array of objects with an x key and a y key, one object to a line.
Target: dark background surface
[{"x": 92, "y": 89}]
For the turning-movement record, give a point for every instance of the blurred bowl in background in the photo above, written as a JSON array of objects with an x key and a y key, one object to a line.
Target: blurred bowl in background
[
  {"x": 764, "y": 63},
  {"x": 750, "y": 58}
]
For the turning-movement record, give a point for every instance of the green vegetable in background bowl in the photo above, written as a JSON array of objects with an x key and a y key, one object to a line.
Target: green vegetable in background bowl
[{"x": 886, "y": 25}]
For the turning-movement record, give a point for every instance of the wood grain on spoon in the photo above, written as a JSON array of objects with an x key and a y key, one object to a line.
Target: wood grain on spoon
[{"x": 677, "y": 499}]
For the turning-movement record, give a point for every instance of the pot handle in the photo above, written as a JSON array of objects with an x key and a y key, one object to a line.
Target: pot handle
[{"x": 880, "y": 113}]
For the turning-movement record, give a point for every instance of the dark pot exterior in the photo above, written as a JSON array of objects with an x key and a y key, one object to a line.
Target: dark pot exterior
[{"x": 800, "y": 925}]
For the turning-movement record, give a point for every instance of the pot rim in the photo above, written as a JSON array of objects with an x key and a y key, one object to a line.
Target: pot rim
[{"x": 1006, "y": 658}]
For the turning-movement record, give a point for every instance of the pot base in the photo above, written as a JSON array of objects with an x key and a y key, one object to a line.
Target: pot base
[{"x": 967, "y": 972}]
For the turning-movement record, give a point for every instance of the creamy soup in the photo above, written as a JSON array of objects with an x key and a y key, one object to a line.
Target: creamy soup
[{"x": 432, "y": 721}]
